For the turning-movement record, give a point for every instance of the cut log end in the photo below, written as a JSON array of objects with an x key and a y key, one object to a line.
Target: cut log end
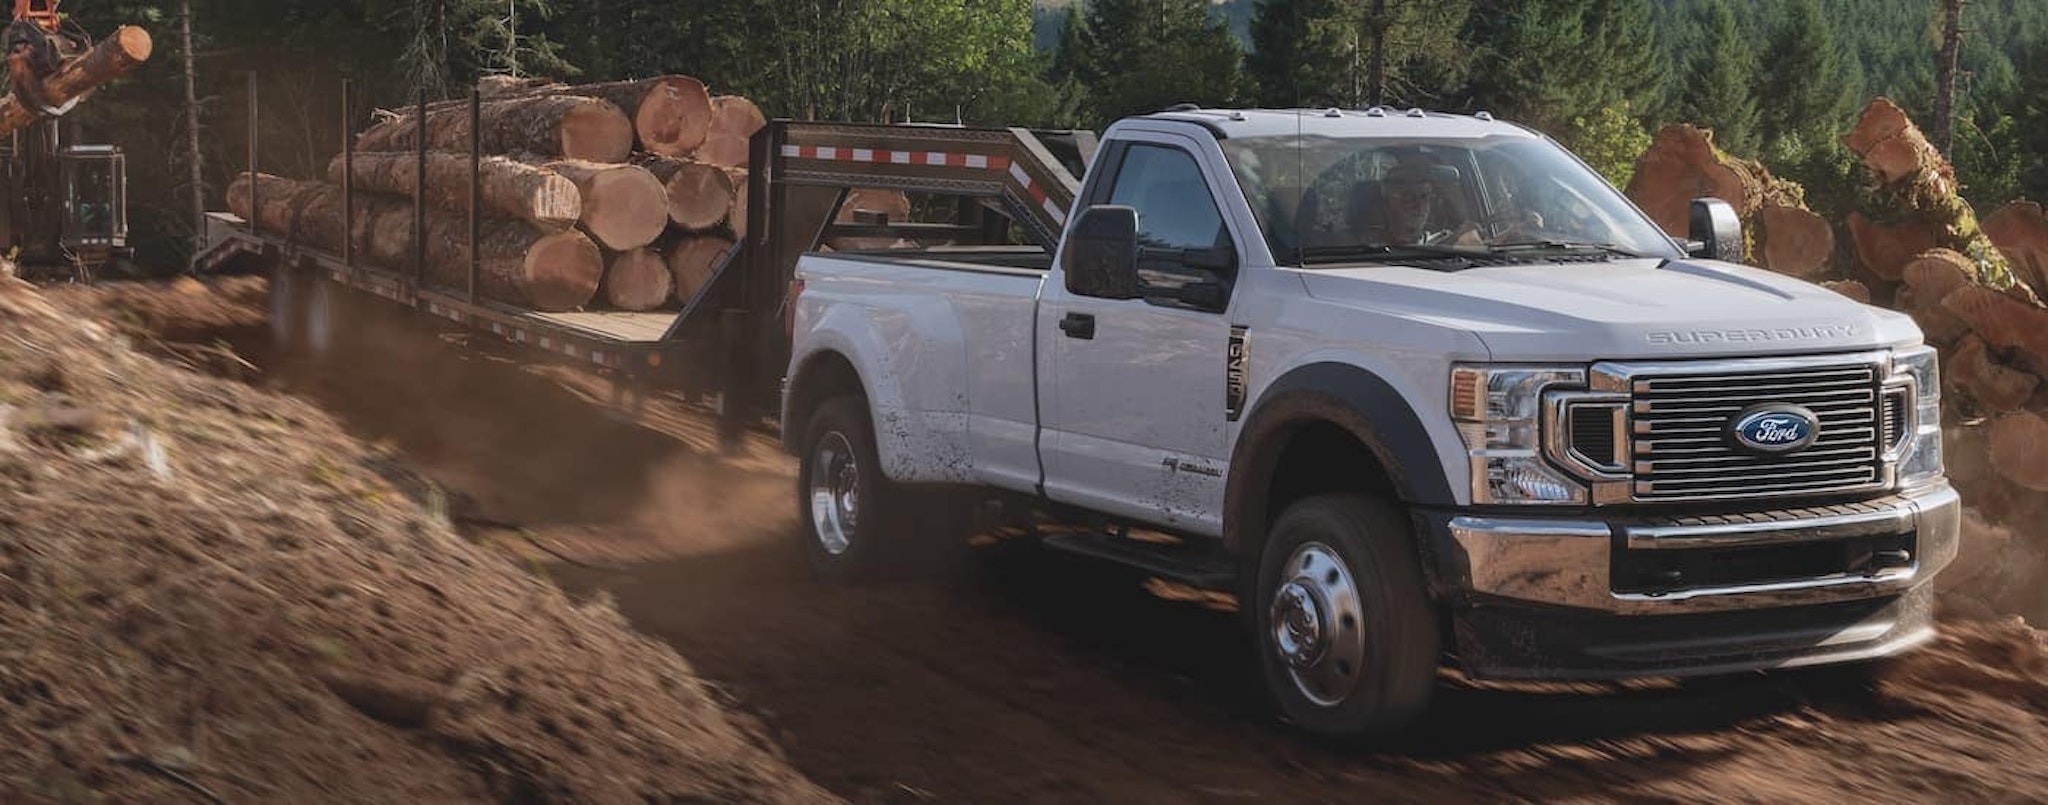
[
  {"x": 1796, "y": 242},
  {"x": 2019, "y": 449},
  {"x": 700, "y": 196},
  {"x": 691, "y": 263},
  {"x": 562, "y": 271},
  {"x": 596, "y": 133},
  {"x": 638, "y": 280},
  {"x": 733, "y": 122},
  {"x": 624, "y": 206},
  {"x": 133, "y": 44},
  {"x": 675, "y": 117}
]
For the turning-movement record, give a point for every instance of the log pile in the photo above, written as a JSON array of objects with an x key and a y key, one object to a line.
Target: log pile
[
  {"x": 1683, "y": 164},
  {"x": 616, "y": 195}
]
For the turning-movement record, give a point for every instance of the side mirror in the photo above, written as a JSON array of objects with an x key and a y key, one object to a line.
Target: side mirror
[
  {"x": 1102, "y": 253},
  {"x": 1715, "y": 231}
]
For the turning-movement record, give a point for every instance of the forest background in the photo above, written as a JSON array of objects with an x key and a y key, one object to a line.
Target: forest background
[{"x": 1776, "y": 80}]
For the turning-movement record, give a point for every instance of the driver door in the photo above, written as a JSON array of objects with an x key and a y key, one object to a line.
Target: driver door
[{"x": 1134, "y": 405}]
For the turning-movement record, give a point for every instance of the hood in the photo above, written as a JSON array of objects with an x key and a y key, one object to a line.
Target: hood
[{"x": 1620, "y": 310}]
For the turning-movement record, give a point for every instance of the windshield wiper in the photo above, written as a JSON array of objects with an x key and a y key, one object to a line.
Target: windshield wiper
[
  {"x": 1379, "y": 252},
  {"x": 1565, "y": 245}
]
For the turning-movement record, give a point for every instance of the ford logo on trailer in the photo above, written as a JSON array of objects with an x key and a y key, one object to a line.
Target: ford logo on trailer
[{"x": 1774, "y": 429}]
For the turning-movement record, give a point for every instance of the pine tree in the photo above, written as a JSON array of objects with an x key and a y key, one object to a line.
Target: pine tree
[
  {"x": 1317, "y": 52},
  {"x": 1145, "y": 55},
  {"x": 1718, "y": 87},
  {"x": 1808, "y": 92}
]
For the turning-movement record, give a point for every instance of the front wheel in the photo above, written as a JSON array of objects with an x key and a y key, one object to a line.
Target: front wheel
[{"x": 1348, "y": 642}]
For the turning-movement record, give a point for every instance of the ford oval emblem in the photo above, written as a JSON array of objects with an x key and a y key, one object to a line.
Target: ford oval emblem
[{"x": 1775, "y": 429}]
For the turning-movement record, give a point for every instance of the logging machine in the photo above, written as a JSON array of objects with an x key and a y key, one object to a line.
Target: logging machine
[{"x": 67, "y": 198}]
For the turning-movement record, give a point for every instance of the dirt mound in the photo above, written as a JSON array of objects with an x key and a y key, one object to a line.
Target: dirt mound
[{"x": 207, "y": 590}]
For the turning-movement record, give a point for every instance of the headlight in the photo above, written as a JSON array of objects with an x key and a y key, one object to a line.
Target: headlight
[
  {"x": 1920, "y": 460},
  {"x": 1498, "y": 413}
]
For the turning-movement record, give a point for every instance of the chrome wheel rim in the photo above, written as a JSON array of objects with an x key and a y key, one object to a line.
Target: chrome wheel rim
[
  {"x": 1317, "y": 625},
  {"x": 835, "y": 493}
]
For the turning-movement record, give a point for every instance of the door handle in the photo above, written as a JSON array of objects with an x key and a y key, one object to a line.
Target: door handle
[{"x": 1079, "y": 325}]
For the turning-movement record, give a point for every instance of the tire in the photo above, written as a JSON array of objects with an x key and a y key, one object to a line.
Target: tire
[
  {"x": 1348, "y": 641},
  {"x": 846, "y": 505}
]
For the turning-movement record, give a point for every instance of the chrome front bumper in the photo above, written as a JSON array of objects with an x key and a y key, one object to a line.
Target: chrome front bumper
[{"x": 1568, "y": 563}]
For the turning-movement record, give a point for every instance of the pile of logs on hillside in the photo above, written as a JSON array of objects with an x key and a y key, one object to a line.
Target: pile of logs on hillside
[
  {"x": 618, "y": 195},
  {"x": 1916, "y": 246},
  {"x": 1683, "y": 164}
]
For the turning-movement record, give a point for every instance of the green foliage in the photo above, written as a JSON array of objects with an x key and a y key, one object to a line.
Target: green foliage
[
  {"x": 1554, "y": 63},
  {"x": 1611, "y": 141},
  {"x": 1808, "y": 93},
  {"x": 1140, "y": 56},
  {"x": 1311, "y": 53},
  {"x": 876, "y": 60},
  {"x": 1718, "y": 88}
]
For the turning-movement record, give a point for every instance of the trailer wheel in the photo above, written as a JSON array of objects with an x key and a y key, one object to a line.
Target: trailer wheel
[
  {"x": 1348, "y": 644},
  {"x": 846, "y": 504}
]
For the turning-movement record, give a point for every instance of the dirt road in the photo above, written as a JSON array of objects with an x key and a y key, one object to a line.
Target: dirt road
[{"x": 1029, "y": 677}]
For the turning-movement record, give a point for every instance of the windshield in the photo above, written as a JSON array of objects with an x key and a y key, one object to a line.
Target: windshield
[{"x": 1347, "y": 199}]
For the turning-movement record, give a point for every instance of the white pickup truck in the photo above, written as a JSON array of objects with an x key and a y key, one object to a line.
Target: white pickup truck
[{"x": 1418, "y": 388}]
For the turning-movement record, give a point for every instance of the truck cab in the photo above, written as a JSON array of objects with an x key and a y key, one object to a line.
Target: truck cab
[{"x": 1419, "y": 389}]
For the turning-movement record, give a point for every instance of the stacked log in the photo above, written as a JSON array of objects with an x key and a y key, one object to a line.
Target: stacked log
[
  {"x": 552, "y": 126},
  {"x": 1683, "y": 164},
  {"x": 624, "y": 206},
  {"x": 521, "y": 264},
  {"x": 733, "y": 122},
  {"x": 692, "y": 261},
  {"x": 700, "y": 194},
  {"x": 620, "y": 195},
  {"x": 509, "y": 188},
  {"x": 638, "y": 279}
]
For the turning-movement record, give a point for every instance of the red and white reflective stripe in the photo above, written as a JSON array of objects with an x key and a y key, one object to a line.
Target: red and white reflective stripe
[
  {"x": 938, "y": 159},
  {"x": 1038, "y": 194}
]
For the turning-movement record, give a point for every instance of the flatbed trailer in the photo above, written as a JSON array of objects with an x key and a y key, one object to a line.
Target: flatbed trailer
[{"x": 727, "y": 343}]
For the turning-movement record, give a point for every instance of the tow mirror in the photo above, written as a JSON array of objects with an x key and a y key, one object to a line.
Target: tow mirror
[
  {"x": 1715, "y": 231},
  {"x": 1102, "y": 257}
]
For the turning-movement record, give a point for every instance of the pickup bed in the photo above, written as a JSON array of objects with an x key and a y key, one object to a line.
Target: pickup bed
[{"x": 1416, "y": 388}]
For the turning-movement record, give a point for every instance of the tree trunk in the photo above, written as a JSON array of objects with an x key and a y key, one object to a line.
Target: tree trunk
[
  {"x": 1946, "y": 61},
  {"x": 521, "y": 265},
  {"x": 624, "y": 206},
  {"x": 112, "y": 58},
  {"x": 552, "y": 126},
  {"x": 1885, "y": 250},
  {"x": 700, "y": 195},
  {"x": 2019, "y": 449},
  {"x": 691, "y": 262},
  {"x": 671, "y": 114},
  {"x": 1682, "y": 164},
  {"x": 638, "y": 280},
  {"x": 1995, "y": 388},
  {"x": 2020, "y": 231},
  {"x": 193, "y": 159},
  {"x": 1796, "y": 242},
  {"x": 733, "y": 122},
  {"x": 510, "y": 188}
]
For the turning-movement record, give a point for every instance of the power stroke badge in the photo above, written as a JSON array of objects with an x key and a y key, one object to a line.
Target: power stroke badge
[{"x": 1236, "y": 374}]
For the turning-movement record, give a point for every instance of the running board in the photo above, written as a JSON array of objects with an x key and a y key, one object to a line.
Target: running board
[{"x": 1205, "y": 568}]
